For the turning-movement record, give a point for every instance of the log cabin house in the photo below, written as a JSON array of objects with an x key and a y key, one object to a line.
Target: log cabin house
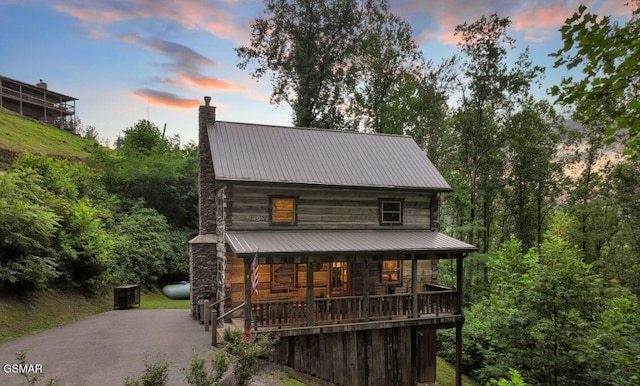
[
  {"x": 39, "y": 103},
  {"x": 343, "y": 227}
]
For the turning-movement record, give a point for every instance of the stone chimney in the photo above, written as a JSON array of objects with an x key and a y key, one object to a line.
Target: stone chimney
[
  {"x": 203, "y": 261},
  {"x": 206, "y": 178}
]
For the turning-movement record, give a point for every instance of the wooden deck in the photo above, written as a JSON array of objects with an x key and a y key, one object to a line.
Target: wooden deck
[{"x": 323, "y": 312}]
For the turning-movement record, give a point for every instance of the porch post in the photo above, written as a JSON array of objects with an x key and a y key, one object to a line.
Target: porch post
[
  {"x": 414, "y": 285},
  {"x": 310, "y": 295},
  {"x": 247, "y": 294},
  {"x": 459, "y": 354},
  {"x": 365, "y": 292},
  {"x": 460, "y": 281}
]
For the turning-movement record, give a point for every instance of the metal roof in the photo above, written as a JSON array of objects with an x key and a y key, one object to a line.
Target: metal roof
[
  {"x": 65, "y": 98},
  {"x": 250, "y": 152},
  {"x": 342, "y": 241}
]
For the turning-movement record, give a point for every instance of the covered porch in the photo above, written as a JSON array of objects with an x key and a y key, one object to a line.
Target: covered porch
[
  {"x": 344, "y": 277},
  {"x": 353, "y": 307},
  {"x": 434, "y": 303}
]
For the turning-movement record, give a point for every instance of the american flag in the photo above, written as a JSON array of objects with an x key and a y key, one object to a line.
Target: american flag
[{"x": 254, "y": 269}]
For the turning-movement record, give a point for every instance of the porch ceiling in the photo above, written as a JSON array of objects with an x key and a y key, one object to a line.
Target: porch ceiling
[{"x": 325, "y": 242}]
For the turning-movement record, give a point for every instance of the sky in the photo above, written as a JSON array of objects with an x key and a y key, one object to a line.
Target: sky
[{"x": 127, "y": 60}]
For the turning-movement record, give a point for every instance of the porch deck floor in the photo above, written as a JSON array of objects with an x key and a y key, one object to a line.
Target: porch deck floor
[{"x": 238, "y": 323}]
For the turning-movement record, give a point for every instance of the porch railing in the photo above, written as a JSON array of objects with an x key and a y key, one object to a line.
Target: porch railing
[{"x": 351, "y": 309}]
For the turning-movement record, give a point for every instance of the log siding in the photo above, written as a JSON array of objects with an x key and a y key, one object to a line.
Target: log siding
[{"x": 325, "y": 208}]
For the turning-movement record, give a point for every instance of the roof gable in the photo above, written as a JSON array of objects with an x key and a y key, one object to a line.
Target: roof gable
[{"x": 261, "y": 153}]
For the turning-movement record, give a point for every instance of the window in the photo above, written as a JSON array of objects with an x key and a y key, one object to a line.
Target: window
[
  {"x": 390, "y": 272},
  {"x": 283, "y": 211},
  {"x": 339, "y": 278},
  {"x": 390, "y": 212},
  {"x": 283, "y": 277}
]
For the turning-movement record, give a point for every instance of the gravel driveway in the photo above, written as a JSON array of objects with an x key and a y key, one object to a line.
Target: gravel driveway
[{"x": 106, "y": 348}]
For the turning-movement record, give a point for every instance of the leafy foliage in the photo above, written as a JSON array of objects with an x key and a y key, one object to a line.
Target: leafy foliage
[
  {"x": 197, "y": 374},
  {"x": 548, "y": 315},
  {"x": 307, "y": 46},
  {"x": 140, "y": 247},
  {"x": 27, "y": 231},
  {"x": 156, "y": 373},
  {"x": 158, "y": 170},
  {"x": 245, "y": 350},
  {"x": 60, "y": 227},
  {"x": 341, "y": 64},
  {"x": 607, "y": 54}
]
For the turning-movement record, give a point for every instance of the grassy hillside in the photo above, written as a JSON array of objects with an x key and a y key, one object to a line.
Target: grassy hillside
[
  {"x": 446, "y": 374},
  {"x": 25, "y": 315},
  {"x": 18, "y": 135}
]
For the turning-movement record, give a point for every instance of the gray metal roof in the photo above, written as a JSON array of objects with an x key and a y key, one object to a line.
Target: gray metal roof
[
  {"x": 342, "y": 241},
  {"x": 249, "y": 152}
]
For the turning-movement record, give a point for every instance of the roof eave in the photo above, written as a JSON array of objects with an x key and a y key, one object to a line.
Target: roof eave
[{"x": 439, "y": 189}]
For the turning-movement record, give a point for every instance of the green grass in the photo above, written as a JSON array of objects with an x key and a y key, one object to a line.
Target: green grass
[
  {"x": 28, "y": 314},
  {"x": 293, "y": 382},
  {"x": 18, "y": 135},
  {"x": 446, "y": 374},
  {"x": 155, "y": 301}
]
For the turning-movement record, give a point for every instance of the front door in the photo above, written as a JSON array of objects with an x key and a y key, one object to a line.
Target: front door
[{"x": 339, "y": 279}]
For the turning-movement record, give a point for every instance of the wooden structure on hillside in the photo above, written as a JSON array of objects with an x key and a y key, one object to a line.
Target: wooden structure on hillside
[
  {"x": 331, "y": 239},
  {"x": 39, "y": 103}
]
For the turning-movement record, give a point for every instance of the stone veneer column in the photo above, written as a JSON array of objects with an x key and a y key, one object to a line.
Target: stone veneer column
[{"x": 203, "y": 266}]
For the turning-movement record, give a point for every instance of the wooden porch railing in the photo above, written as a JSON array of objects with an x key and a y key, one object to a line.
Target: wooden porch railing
[{"x": 351, "y": 309}]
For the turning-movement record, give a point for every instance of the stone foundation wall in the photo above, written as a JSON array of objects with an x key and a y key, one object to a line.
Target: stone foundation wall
[{"x": 203, "y": 270}]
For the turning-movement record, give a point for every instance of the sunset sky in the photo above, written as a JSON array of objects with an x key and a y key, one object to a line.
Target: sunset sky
[{"x": 127, "y": 60}]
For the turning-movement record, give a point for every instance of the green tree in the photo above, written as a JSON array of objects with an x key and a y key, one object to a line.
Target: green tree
[
  {"x": 388, "y": 56},
  {"x": 83, "y": 247},
  {"x": 27, "y": 231},
  {"x": 164, "y": 177},
  {"x": 615, "y": 344},
  {"x": 140, "y": 247},
  {"x": 142, "y": 137},
  {"x": 307, "y": 47},
  {"x": 81, "y": 244},
  {"x": 489, "y": 92},
  {"x": 534, "y": 174},
  {"x": 607, "y": 54},
  {"x": 552, "y": 317}
]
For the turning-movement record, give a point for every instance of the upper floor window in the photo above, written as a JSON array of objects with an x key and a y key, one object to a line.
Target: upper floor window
[
  {"x": 390, "y": 212},
  {"x": 283, "y": 210}
]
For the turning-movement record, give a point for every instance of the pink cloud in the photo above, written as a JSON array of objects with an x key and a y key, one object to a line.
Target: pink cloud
[
  {"x": 212, "y": 83},
  {"x": 549, "y": 17},
  {"x": 131, "y": 38},
  {"x": 166, "y": 99},
  {"x": 537, "y": 20},
  {"x": 217, "y": 18},
  {"x": 97, "y": 14}
]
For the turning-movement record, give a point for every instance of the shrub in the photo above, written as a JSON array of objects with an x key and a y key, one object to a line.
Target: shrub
[
  {"x": 197, "y": 373},
  {"x": 33, "y": 378},
  {"x": 155, "y": 373},
  {"x": 245, "y": 349}
]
